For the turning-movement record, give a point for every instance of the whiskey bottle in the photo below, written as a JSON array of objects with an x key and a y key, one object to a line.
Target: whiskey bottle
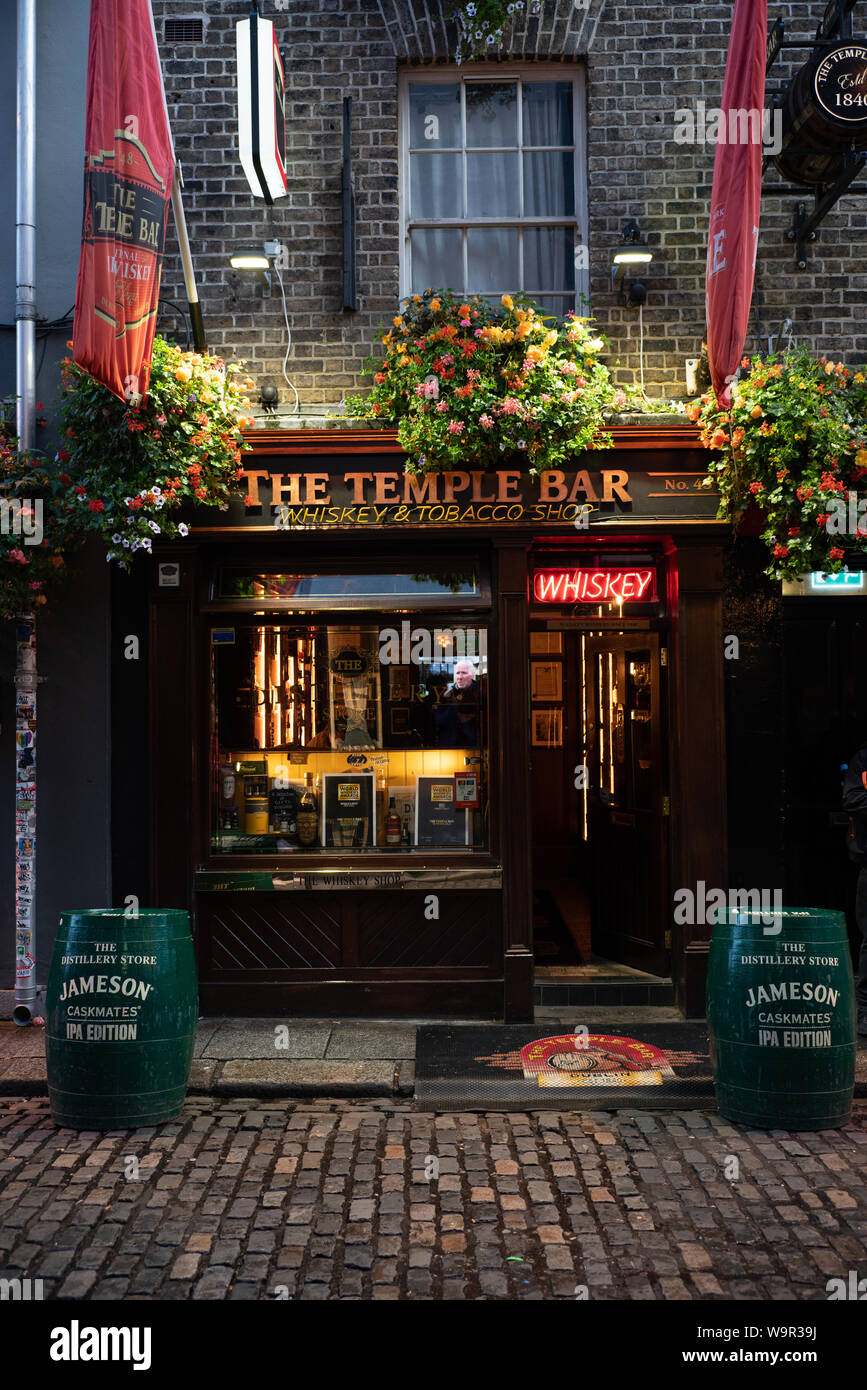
[
  {"x": 308, "y": 814},
  {"x": 392, "y": 826}
]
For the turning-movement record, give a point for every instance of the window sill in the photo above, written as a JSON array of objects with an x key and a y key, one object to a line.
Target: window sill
[{"x": 385, "y": 872}]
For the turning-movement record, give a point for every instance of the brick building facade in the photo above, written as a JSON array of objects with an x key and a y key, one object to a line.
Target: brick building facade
[
  {"x": 635, "y": 68},
  {"x": 643, "y": 62}
]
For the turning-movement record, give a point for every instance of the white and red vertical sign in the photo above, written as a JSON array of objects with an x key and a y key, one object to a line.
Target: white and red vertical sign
[
  {"x": 736, "y": 196},
  {"x": 128, "y": 168}
]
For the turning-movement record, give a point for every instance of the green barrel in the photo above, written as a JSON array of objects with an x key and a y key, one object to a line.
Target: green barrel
[
  {"x": 121, "y": 1005},
  {"x": 781, "y": 1018}
]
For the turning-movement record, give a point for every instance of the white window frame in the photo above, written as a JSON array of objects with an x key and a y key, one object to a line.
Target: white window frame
[{"x": 492, "y": 72}]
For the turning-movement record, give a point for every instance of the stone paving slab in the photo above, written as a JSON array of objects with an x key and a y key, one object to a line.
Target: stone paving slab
[
  {"x": 267, "y": 1039},
  {"x": 202, "y": 1076},
  {"x": 364, "y": 1199},
  {"x": 21, "y": 1042},
  {"x": 313, "y": 1077},
  {"x": 405, "y": 1083},
  {"x": 204, "y": 1033},
  {"x": 604, "y": 1015},
  {"x": 380, "y": 1042}
]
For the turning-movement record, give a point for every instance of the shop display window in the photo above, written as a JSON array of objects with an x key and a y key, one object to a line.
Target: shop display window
[{"x": 349, "y": 739}]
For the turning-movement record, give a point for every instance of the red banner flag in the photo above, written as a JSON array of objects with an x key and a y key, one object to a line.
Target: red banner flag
[
  {"x": 736, "y": 197},
  {"x": 128, "y": 168}
]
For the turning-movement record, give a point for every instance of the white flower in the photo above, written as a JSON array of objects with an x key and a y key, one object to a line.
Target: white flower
[
  {"x": 154, "y": 527},
  {"x": 183, "y": 529},
  {"x": 146, "y": 543},
  {"x": 594, "y": 345},
  {"x": 115, "y": 540},
  {"x": 471, "y": 9},
  {"x": 156, "y": 491},
  {"x": 125, "y": 544},
  {"x": 522, "y": 443}
]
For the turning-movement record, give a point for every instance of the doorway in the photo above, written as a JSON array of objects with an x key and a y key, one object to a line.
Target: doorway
[{"x": 599, "y": 802}]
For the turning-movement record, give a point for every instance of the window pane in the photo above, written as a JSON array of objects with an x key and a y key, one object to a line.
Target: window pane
[
  {"x": 548, "y": 113},
  {"x": 492, "y": 185},
  {"x": 340, "y": 590},
  {"x": 492, "y": 114},
  {"x": 492, "y": 259},
  {"x": 435, "y": 115},
  {"x": 437, "y": 259},
  {"x": 549, "y": 258},
  {"x": 557, "y": 304},
  {"x": 549, "y": 185},
  {"x": 299, "y": 710},
  {"x": 436, "y": 188}
]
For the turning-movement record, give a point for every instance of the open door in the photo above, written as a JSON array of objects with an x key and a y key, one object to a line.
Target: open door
[{"x": 626, "y": 801}]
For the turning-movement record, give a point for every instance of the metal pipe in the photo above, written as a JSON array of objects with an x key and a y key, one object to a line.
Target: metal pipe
[
  {"x": 199, "y": 342},
  {"x": 25, "y": 225}
]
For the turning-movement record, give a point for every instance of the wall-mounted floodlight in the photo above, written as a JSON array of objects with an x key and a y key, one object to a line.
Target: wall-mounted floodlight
[
  {"x": 250, "y": 258},
  {"x": 632, "y": 251}
]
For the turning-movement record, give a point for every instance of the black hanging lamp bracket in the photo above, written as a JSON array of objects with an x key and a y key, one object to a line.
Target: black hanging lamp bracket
[{"x": 350, "y": 300}]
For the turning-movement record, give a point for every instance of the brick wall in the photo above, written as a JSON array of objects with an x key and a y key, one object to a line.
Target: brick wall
[{"x": 644, "y": 61}]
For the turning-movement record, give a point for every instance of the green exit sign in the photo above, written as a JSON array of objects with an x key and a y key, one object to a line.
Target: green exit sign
[{"x": 850, "y": 580}]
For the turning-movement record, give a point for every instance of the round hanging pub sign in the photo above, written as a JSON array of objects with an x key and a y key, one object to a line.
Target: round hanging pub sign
[{"x": 841, "y": 83}]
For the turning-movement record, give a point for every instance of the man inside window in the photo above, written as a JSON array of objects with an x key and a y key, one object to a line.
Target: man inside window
[{"x": 458, "y": 713}]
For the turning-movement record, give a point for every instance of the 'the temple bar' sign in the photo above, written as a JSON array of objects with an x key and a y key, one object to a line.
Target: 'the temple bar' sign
[{"x": 289, "y": 496}]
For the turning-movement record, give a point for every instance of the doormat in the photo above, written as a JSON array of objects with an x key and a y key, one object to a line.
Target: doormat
[{"x": 654, "y": 1066}]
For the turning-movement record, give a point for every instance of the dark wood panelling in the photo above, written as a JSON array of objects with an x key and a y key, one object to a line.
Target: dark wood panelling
[
  {"x": 255, "y": 931},
  {"x": 290, "y": 934},
  {"x": 394, "y": 931},
  {"x": 374, "y": 996}
]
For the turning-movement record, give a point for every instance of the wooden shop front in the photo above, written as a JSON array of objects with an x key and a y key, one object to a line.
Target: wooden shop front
[{"x": 389, "y": 715}]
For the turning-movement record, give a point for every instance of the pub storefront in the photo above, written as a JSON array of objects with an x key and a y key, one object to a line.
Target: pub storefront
[{"x": 396, "y": 723}]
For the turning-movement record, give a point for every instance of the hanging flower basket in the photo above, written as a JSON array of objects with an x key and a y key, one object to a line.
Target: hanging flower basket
[
  {"x": 126, "y": 470},
  {"x": 481, "y": 24},
  {"x": 35, "y": 534},
  {"x": 464, "y": 380},
  {"x": 794, "y": 443}
]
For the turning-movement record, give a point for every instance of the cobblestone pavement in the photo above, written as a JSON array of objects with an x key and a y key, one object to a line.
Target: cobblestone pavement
[{"x": 371, "y": 1199}]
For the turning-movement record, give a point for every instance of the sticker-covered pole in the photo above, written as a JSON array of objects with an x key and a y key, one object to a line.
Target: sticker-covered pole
[
  {"x": 25, "y": 626},
  {"x": 25, "y": 817}
]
